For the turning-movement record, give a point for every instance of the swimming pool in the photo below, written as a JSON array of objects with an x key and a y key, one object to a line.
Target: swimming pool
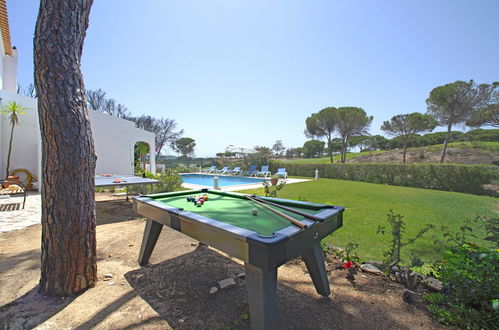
[{"x": 223, "y": 181}]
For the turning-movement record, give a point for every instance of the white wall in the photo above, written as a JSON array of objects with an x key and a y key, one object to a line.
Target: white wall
[
  {"x": 25, "y": 146},
  {"x": 9, "y": 73},
  {"x": 114, "y": 140},
  {"x": 8, "y": 69}
]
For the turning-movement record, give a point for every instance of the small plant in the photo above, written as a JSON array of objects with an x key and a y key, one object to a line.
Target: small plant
[
  {"x": 271, "y": 191},
  {"x": 470, "y": 274},
  {"x": 13, "y": 110},
  {"x": 348, "y": 256},
  {"x": 434, "y": 298},
  {"x": 397, "y": 225}
]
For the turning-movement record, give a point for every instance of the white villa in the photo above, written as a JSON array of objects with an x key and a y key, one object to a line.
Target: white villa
[{"x": 114, "y": 138}]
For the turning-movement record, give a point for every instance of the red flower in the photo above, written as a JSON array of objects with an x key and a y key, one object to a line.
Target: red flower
[{"x": 347, "y": 265}]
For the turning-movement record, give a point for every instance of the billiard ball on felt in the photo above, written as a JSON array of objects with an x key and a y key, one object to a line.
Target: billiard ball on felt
[
  {"x": 198, "y": 204},
  {"x": 254, "y": 211},
  {"x": 205, "y": 197}
]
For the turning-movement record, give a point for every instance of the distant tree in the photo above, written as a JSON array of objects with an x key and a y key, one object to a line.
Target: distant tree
[
  {"x": 313, "y": 148},
  {"x": 163, "y": 128},
  {"x": 491, "y": 135},
  {"x": 259, "y": 158},
  {"x": 263, "y": 152},
  {"x": 220, "y": 154},
  {"x": 360, "y": 141},
  {"x": 438, "y": 138},
  {"x": 13, "y": 110},
  {"x": 294, "y": 152},
  {"x": 278, "y": 148},
  {"x": 379, "y": 142},
  {"x": 30, "y": 91},
  {"x": 185, "y": 146},
  {"x": 454, "y": 103},
  {"x": 95, "y": 99},
  {"x": 350, "y": 121},
  {"x": 406, "y": 126},
  {"x": 322, "y": 124},
  {"x": 68, "y": 249}
]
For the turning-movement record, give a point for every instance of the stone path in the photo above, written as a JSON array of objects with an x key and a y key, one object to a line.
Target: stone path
[{"x": 20, "y": 218}]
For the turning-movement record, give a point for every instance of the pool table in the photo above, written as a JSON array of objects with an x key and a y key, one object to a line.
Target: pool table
[{"x": 263, "y": 241}]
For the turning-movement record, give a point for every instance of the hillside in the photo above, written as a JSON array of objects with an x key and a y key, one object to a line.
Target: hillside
[{"x": 457, "y": 153}]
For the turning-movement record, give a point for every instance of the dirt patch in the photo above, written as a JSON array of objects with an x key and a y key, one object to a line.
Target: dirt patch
[{"x": 173, "y": 292}]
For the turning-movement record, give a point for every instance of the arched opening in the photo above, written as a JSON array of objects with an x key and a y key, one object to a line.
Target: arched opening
[{"x": 142, "y": 157}]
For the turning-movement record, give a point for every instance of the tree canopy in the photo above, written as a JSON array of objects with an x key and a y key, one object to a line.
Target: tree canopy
[
  {"x": 322, "y": 124},
  {"x": 406, "y": 126},
  {"x": 184, "y": 146},
  {"x": 278, "y": 148},
  {"x": 313, "y": 148},
  {"x": 350, "y": 121},
  {"x": 454, "y": 103}
]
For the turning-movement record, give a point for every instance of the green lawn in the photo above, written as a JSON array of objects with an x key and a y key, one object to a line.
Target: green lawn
[{"x": 367, "y": 205}]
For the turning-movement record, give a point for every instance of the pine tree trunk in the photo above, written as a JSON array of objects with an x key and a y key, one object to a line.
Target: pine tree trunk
[
  {"x": 444, "y": 147},
  {"x": 404, "y": 153},
  {"x": 68, "y": 261}
]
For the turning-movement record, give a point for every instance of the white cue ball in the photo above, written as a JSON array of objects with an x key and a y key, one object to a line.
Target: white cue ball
[{"x": 254, "y": 211}]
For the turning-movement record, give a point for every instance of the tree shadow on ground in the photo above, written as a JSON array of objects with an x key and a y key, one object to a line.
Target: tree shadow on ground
[
  {"x": 178, "y": 290},
  {"x": 113, "y": 211},
  {"x": 30, "y": 310},
  {"x": 28, "y": 260}
]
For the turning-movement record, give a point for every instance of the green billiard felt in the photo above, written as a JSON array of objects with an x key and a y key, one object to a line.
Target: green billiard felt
[{"x": 237, "y": 211}]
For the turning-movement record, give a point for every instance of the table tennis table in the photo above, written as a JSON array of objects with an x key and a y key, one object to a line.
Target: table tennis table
[{"x": 114, "y": 180}]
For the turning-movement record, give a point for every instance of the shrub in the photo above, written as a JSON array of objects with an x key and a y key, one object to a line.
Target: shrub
[
  {"x": 471, "y": 276},
  {"x": 459, "y": 178},
  {"x": 168, "y": 181}
]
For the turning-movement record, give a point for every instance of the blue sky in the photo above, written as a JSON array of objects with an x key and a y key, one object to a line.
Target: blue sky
[{"x": 250, "y": 72}]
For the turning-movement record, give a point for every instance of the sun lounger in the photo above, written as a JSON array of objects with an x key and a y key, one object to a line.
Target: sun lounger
[
  {"x": 252, "y": 170},
  {"x": 282, "y": 172},
  {"x": 264, "y": 171},
  {"x": 236, "y": 170},
  {"x": 223, "y": 170},
  {"x": 212, "y": 169}
]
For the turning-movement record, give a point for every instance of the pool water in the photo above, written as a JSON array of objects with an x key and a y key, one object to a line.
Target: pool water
[{"x": 223, "y": 181}]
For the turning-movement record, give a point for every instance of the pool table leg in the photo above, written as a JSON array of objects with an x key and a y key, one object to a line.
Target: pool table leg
[
  {"x": 314, "y": 261},
  {"x": 262, "y": 297},
  {"x": 151, "y": 234}
]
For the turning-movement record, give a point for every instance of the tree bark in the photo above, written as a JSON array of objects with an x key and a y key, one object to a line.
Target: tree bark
[
  {"x": 444, "y": 147},
  {"x": 404, "y": 154},
  {"x": 68, "y": 260}
]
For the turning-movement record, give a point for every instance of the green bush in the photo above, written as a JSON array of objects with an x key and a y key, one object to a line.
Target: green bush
[
  {"x": 471, "y": 277},
  {"x": 168, "y": 181},
  {"x": 459, "y": 178}
]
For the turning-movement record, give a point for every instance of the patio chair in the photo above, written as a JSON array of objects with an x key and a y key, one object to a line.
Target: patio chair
[
  {"x": 211, "y": 169},
  {"x": 15, "y": 187},
  {"x": 282, "y": 172},
  {"x": 223, "y": 170},
  {"x": 264, "y": 171},
  {"x": 250, "y": 171},
  {"x": 236, "y": 170}
]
